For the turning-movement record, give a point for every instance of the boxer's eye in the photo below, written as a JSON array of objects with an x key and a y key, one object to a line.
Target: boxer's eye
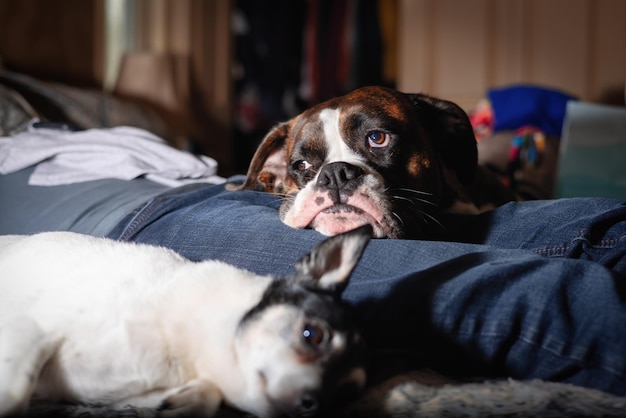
[
  {"x": 314, "y": 334},
  {"x": 302, "y": 165},
  {"x": 378, "y": 139}
]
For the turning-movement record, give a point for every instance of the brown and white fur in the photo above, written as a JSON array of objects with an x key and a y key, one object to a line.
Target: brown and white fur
[
  {"x": 91, "y": 320},
  {"x": 375, "y": 156}
]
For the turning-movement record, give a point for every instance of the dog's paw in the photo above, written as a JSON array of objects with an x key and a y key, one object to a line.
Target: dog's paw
[
  {"x": 197, "y": 398},
  {"x": 12, "y": 407},
  {"x": 24, "y": 349}
]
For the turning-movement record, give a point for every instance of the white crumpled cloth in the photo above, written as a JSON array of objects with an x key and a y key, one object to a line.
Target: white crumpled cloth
[{"x": 65, "y": 157}]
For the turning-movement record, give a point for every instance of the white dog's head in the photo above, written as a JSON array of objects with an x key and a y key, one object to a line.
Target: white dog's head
[{"x": 298, "y": 347}]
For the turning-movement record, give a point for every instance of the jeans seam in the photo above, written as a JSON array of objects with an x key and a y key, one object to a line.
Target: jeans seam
[
  {"x": 604, "y": 243},
  {"x": 556, "y": 351},
  {"x": 552, "y": 251},
  {"x": 582, "y": 236},
  {"x": 609, "y": 365},
  {"x": 138, "y": 219}
]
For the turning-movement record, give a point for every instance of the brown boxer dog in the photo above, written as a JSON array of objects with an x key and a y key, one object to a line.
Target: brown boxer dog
[{"x": 375, "y": 156}]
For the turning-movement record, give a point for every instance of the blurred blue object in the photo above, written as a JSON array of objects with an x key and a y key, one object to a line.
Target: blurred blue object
[{"x": 527, "y": 105}]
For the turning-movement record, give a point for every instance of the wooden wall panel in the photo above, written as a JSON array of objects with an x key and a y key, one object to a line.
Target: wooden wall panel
[
  {"x": 510, "y": 43},
  {"x": 54, "y": 40},
  {"x": 415, "y": 45},
  {"x": 457, "y": 49},
  {"x": 559, "y": 44},
  {"x": 459, "y": 41},
  {"x": 608, "y": 66}
]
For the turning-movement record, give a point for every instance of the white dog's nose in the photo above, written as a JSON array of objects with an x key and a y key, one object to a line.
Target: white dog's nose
[{"x": 307, "y": 405}]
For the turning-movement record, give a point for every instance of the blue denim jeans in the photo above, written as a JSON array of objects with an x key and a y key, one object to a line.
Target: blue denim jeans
[{"x": 534, "y": 290}]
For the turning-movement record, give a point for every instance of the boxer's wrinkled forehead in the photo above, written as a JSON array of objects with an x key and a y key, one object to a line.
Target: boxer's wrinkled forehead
[
  {"x": 338, "y": 129},
  {"x": 383, "y": 105},
  {"x": 339, "y": 142},
  {"x": 322, "y": 132}
]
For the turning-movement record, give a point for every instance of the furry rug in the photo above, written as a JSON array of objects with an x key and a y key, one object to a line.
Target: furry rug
[
  {"x": 537, "y": 399},
  {"x": 421, "y": 394}
]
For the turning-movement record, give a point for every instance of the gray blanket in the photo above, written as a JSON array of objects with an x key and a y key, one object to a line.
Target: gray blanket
[{"x": 419, "y": 394}]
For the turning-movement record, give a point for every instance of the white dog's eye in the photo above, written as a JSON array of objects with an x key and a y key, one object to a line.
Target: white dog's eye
[
  {"x": 314, "y": 334},
  {"x": 302, "y": 165},
  {"x": 377, "y": 139}
]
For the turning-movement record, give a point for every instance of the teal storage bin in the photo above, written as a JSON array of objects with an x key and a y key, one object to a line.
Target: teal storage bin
[{"x": 592, "y": 158}]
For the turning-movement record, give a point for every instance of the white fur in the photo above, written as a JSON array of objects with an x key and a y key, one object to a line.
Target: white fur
[
  {"x": 85, "y": 319},
  {"x": 337, "y": 146}
]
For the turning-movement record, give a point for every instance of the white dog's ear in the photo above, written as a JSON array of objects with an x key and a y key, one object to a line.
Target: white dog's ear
[
  {"x": 329, "y": 265},
  {"x": 268, "y": 168}
]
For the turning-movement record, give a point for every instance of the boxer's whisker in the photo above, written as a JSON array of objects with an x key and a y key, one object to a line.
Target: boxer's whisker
[
  {"x": 278, "y": 200},
  {"x": 426, "y": 217},
  {"x": 289, "y": 197},
  {"x": 431, "y": 217},
  {"x": 397, "y": 195},
  {"x": 413, "y": 201},
  {"x": 413, "y": 191},
  {"x": 398, "y": 218},
  {"x": 280, "y": 197}
]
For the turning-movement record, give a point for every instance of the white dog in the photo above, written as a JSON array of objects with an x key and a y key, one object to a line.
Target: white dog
[{"x": 91, "y": 320}]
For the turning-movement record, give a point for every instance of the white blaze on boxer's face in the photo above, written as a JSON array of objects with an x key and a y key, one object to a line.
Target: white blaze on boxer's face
[{"x": 338, "y": 149}]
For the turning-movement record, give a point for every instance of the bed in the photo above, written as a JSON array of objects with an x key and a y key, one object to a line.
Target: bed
[{"x": 396, "y": 390}]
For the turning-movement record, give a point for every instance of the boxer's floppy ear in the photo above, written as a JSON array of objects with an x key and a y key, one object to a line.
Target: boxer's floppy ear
[
  {"x": 452, "y": 134},
  {"x": 268, "y": 168},
  {"x": 330, "y": 263}
]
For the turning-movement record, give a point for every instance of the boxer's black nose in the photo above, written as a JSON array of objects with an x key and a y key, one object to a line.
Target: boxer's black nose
[{"x": 340, "y": 178}]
